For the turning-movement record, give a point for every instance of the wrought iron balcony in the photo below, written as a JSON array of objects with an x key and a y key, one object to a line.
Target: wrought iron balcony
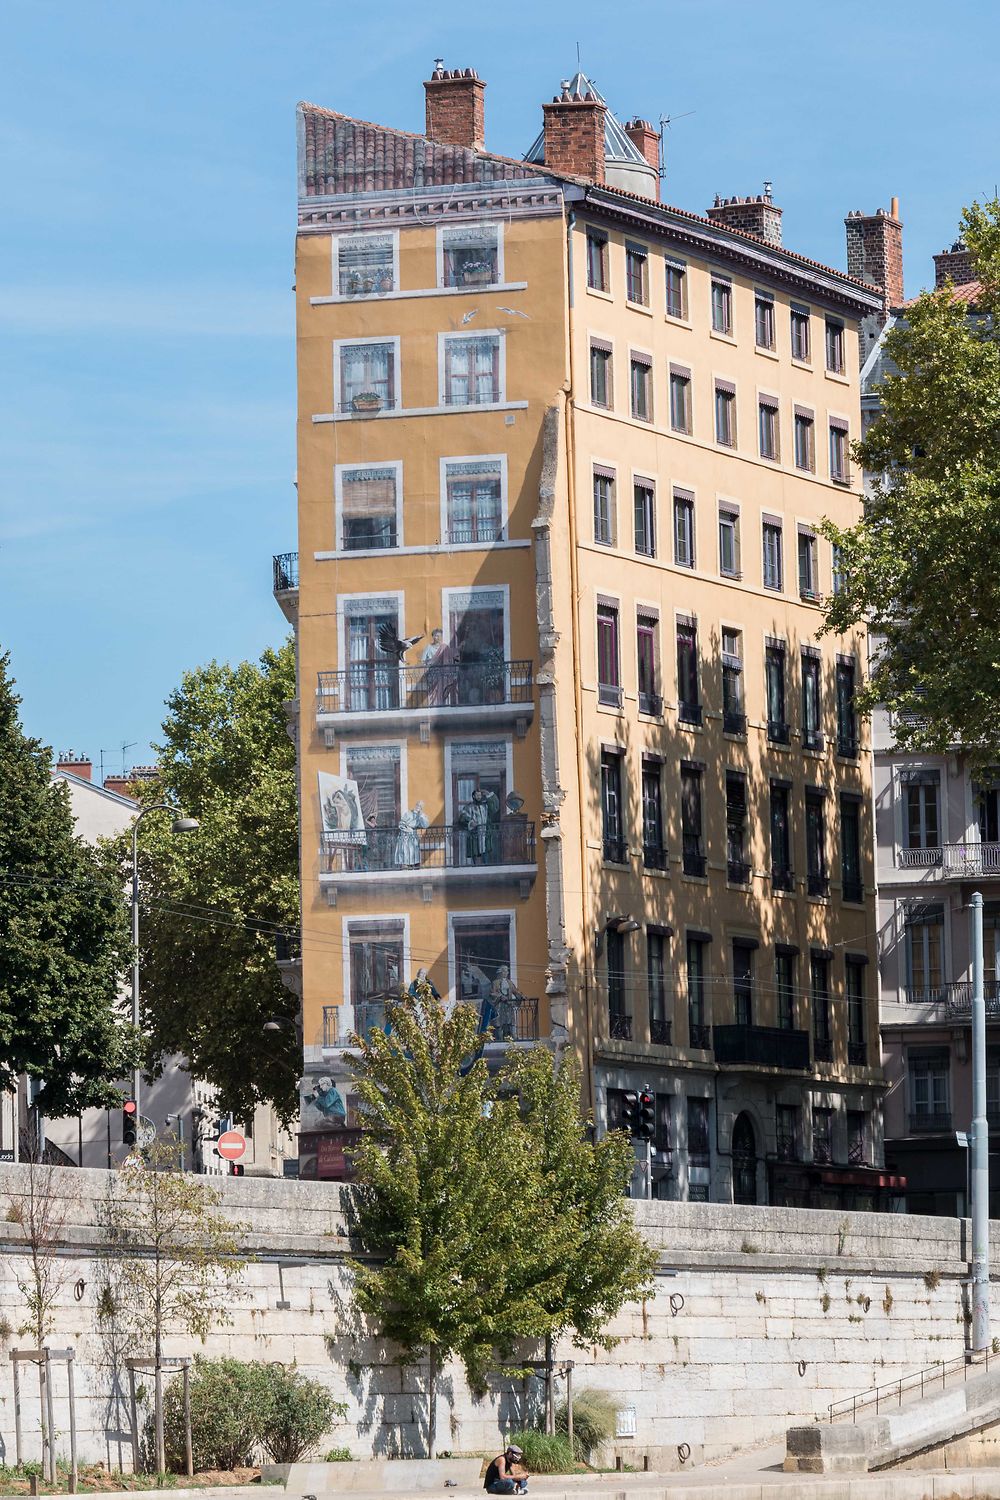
[
  {"x": 822, "y": 1049},
  {"x": 812, "y": 739},
  {"x": 818, "y": 885},
  {"x": 857, "y": 1054},
  {"x": 694, "y": 861},
  {"x": 921, "y": 859},
  {"x": 285, "y": 583},
  {"x": 786, "y": 1148},
  {"x": 475, "y": 534},
  {"x": 689, "y": 713},
  {"x": 968, "y": 861},
  {"x": 659, "y": 1031},
  {"x": 512, "y": 1020},
  {"x": 822, "y": 1152},
  {"x": 956, "y": 996},
  {"x": 931, "y": 1122},
  {"x": 778, "y": 732},
  {"x": 782, "y": 878},
  {"x": 847, "y": 744},
  {"x": 762, "y": 1046},
  {"x": 734, "y": 723},
  {"x": 615, "y": 850},
  {"x": 851, "y": 888},
  {"x": 738, "y": 871},
  {"x": 654, "y": 856},
  {"x": 699, "y": 1035},
  {"x": 382, "y": 692},
  {"x": 619, "y": 1026},
  {"x": 652, "y": 704},
  {"x": 387, "y": 852}
]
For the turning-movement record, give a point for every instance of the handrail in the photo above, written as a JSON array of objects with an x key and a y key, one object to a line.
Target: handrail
[{"x": 879, "y": 1394}]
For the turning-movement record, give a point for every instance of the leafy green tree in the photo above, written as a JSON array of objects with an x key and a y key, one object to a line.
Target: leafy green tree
[
  {"x": 444, "y": 1205},
  {"x": 920, "y": 567},
  {"x": 598, "y": 1260},
  {"x": 212, "y": 903},
  {"x": 64, "y": 945}
]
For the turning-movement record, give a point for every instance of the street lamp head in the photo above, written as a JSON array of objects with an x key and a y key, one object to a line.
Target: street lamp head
[
  {"x": 184, "y": 825},
  {"x": 272, "y": 1025}
]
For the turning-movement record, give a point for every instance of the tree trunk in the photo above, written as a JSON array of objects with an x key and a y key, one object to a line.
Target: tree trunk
[
  {"x": 550, "y": 1393},
  {"x": 161, "y": 1461},
  {"x": 432, "y": 1367}
]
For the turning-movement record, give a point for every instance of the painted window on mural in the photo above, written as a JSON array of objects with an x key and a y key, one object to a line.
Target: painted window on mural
[
  {"x": 474, "y": 497},
  {"x": 372, "y": 654},
  {"x": 367, "y": 376},
  {"x": 488, "y": 825},
  {"x": 470, "y": 255},
  {"x": 375, "y": 770},
  {"x": 472, "y": 370},
  {"x": 484, "y": 975},
  {"x": 365, "y": 264},
  {"x": 369, "y": 508},
  {"x": 376, "y": 970},
  {"x": 463, "y": 662}
]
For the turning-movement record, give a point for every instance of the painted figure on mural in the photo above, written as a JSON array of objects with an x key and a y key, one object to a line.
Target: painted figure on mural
[
  {"x": 328, "y": 1100},
  {"x": 480, "y": 818},
  {"x": 504, "y": 997},
  {"x": 439, "y": 678},
  {"x": 421, "y": 978},
  {"x": 407, "y": 851}
]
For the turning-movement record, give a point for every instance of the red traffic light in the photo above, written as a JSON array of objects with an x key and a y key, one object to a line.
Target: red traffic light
[{"x": 128, "y": 1107}]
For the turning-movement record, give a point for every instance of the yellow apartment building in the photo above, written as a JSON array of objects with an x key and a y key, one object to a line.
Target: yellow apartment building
[{"x": 569, "y": 738}]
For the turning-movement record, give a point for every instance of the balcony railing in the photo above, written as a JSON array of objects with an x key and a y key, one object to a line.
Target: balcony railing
[
  {"x": 920, "y": 859},
  {"x": 931, "y": 1122},
  {"x": 851, "y": 888},
  {"x": 512, "y": 1020},
  {"x": 778, "y": 732},
  {"x": 847, "y": 745},
  {"x": 812, "y": 739},
  {"x": 659, "y": 1031},
  {"x": 379, "y": 686},
  {"x": 448, "y": 846},
  {"x": 689, "y": 713},
  {"x": 615, "y": 850},
  {"x": 957, "y": 996},
  {"x": 734, "y": 723},
  {"x": 822, "y": 1049},
  {"x": 699, "y": 1035},
  {"x": 694, "y": 861},
  {"x": 609, "y": 694},
  {"x": 738, "y": 871},
  {"x": 822, "y": 1151},
  {"x": 285, "y": 570},
  {"x": 973, "y": 858},
  {"x": 654, "y": 856},
  {"x": 857, "y": 1054},
  {"x": 619, "y": 1027},
  {"x": 763, "y": 1046},
  {"x": 479, "y": 534},
  {"x": 651, "y": 704},
  {"x": 782, "y": 878},
  {"x": 818, "y": 885}
]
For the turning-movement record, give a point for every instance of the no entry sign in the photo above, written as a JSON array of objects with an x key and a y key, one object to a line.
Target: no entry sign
[{"x": 231, "y": 1145}]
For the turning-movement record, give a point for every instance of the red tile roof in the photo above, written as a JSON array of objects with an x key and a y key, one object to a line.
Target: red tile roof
[{"x": 969, "y": 293}]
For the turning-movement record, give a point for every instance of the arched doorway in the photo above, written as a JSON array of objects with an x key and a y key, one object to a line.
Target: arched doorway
[{"x": 744, "y": 1161}]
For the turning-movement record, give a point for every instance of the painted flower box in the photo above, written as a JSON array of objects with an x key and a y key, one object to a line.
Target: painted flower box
[{"x": 367, "y": 401}]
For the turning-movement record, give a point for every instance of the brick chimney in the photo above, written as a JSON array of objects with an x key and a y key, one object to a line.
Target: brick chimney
[
  {"x": 574, "y": 134},
  {"x": 75, "y": 765},
  {"x": 647, "y": 140},
  {"x": 875, "y": 252},
  {"x": 759, "y": 216},
  {"x": 954, "y": 264},
  {"x": 455, "y": 105}
]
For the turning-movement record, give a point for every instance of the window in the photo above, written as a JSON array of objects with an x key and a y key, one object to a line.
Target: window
[
  {"x": 764, "y": 320},
  {"x": 481, "y": 766},
  {"x": 376, "y": 769},
  {"x": 786, "y": 1118},
  {"x": 839, "y": 457},
  {"x": 367, "y": 375},
  {"x": 733, "y": 717},
  {"x": 472, "y": 369},
  {"x": 372, "y": 676},
  {"x": 684, "y": 528},
  {"x": 646, "y": 632},
  {"x": 597, "y": 260},
  {"x": 930, "y": 1107},
  {"x": 767, "y": 426},
  {"x": 847, "y": 722},
  {"x": 680, "y": 399},
  {"x": 366, "y": 264},
  {"x": 644, "y": 514},
  {"x": 482, "y": 948},
  {"x": 688, "y": 703},
  {"x": 822, "y": 1122},
  {"x": 676, "y": 283},
  {"x": 691, "y": 826},
  {"x": 738, "y": 866},
  {"x": 600, "y": 373},
  {"x": 835, "y": 347},
  {"x": 772, "y": 552},
  {"x": 656, "y": 970},
  {"x": 857, "y": 1145},
  {"x": 369, "y": 507},
  {"x": 612, "y": 812},
  {"x": 376, "y": 970},
  {"x": 774, "y": 682},
  {"x": 604, "y": 506},
  {"x": 609, "y": 684},
  {"x": 640, "y": 379},
  {"x": 812, "y": 736},
  {"x": 800, "y": 332},
  {"x": 921, "y": 790},
  {"x": 819, "y": 995},
  {"x": 654, "y": 855},
  {"x": 988, "y": 809},
  {"x": 470, "y": 255},
  {"x": 781, "y": 843},
  {"x": 474, "y": 500},
  {"x": 818, "y": 880},
  {"x": 805, "y": 440},
  {"x": 851, "y": 882},
  {"x": 838, "y": 574},
  {"x": 854, "y": 985},
  {"x": 619, "y": 1016},
  {"x": 808, "y": 576},
  {"x": 743, "y": 982},
  {"x": 698, "y": 1033},
  {"x": 722, "y": 306},
  {"x": 725, "y": 413},
  {"x": 729, "y": 541},
  {"x": 924, "y": 947},
  {"x": 784, "y": 983},
  {"x": 636, "y": 273}
]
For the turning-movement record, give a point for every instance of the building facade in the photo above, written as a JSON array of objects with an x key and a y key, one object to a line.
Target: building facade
[{"x": 569, "y": 738}]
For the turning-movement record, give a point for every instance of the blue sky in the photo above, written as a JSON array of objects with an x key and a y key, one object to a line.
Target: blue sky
[{"x": 146, "y": 243}]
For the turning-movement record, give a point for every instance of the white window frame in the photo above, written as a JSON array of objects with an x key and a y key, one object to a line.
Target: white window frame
[
  {"x": 467, "y": 918},
  {"x": 397, "y": 374},
  {"x": 369, "y": 598},
  {"x": 347, "y": 746},
  {"x": 486, "y": 588},
  {"x": 467, "y": 739},
  {"x": 442, "y": 230},
  {"x": 368, "y": 919},
  {"x": 338, "y": 502},
  {"x": 723, "y": 504},
  {"x": 472, "y": 458},
  {"x": 454, "y": 334},
  {"x": 358, "y": 234}
]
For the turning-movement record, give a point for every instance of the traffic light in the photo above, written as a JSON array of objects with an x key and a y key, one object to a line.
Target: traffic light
[
  {"x": 235, "y": 1169},
  {"x": 647, "y": 1116},
  {"x": 130, "y": 1117},
  {"x": 630, "y": 1111}
]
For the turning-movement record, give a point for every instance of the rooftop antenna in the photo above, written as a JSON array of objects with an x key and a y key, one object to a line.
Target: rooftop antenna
[
  {"x": 665, "y": 123},
  {"x": 578, "y": 57},
  {"x": 127, "y": 745}
]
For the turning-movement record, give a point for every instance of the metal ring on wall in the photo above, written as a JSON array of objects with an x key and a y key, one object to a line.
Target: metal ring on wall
[
  {"x": 802, "y": 1367},
  {"x": 79, "y": 1287},
  {"x": 683, "y": 1452},
  {"x": 676, "y": 1302}
]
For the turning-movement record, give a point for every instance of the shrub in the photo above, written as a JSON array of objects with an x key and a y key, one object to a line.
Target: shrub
[
  {"x": 338, "y": 1456},
  {"x": 544, "y": 1454},
  {"x": 594, "y": 1415},
  {"x": 240, "y": 1411}
]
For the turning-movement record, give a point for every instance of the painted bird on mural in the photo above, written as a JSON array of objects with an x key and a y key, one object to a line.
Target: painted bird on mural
[{"x": 390, "y": 643}]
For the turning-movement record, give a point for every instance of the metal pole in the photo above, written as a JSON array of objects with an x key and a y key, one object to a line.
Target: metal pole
[
  {"x": 979, "y": 1144},
  {"x": 18, "y": 1439},
  {"x": 135, "y": 955},
  {"x": 72, "y": 1425},
  {"x": 51, "y": 1416},
  {"x": 188, "y": 1453},
  {"x": 569, "y": 1403},
  {"x": 133, "y": 1419}
]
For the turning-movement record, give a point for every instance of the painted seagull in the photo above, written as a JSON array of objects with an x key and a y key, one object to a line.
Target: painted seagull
[{"x": 390, "y": 643}]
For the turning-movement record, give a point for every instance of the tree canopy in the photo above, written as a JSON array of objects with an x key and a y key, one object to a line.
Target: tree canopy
[
  {"x": 64, "y": 946},
  {"x": 920, "y": 566},
  {"x": 213, "y": 902}
]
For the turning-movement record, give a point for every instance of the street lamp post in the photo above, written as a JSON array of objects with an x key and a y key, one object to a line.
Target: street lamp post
[
  {"x": 979, "y": 1142},
  {"x": 179, "y": 825}
]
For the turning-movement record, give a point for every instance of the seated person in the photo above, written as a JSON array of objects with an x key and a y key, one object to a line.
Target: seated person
[{"x": 499, "y": 1480}]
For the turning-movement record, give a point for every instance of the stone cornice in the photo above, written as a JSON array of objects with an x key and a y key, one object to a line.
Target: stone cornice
[{"x": 520, "y": 199}]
